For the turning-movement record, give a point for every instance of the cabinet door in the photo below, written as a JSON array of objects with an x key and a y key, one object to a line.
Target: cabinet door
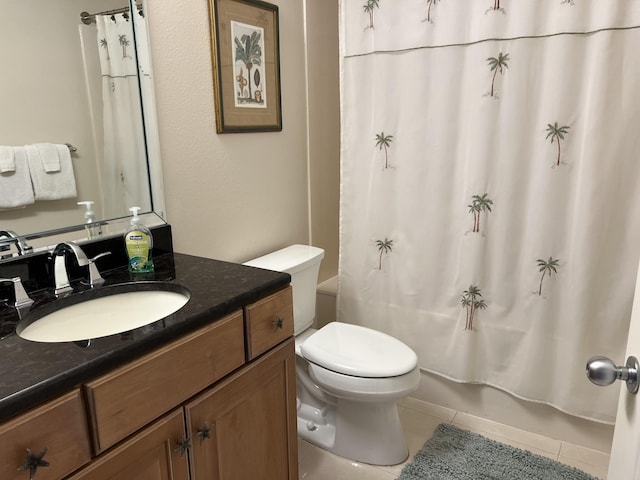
[
  {"x": 245, "y": 428},
  {"x": 152, "y": 454}
]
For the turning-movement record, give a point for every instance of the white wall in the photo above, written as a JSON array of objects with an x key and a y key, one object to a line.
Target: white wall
[
  {"x": 228, "y": 196},
  {"x": 324, "y": 129}
]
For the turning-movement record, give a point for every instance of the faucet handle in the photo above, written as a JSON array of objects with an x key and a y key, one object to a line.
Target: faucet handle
[
  {"x": 21, "y": 299},
  {"x": 94, "y": 274}
]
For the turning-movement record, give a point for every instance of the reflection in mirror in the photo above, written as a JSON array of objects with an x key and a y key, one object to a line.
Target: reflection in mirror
[{"x": 75, "y": 82}]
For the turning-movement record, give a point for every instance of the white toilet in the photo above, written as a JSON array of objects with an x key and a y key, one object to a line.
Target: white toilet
[{"x": 348, "y": 377}]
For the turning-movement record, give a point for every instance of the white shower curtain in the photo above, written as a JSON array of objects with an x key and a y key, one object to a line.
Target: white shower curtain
[
  {"x": 490, "y": 186},
  {"x": 124, "y": 168}
]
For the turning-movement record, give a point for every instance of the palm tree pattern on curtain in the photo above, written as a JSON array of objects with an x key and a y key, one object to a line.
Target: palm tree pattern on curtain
[
  {"x": 384, "y": 141},
  {"x": 472, "y": 302},
  {"x": 493, "y": 257},
  {"x": 368, "y": 9},
  {"x": 497, "y": 64},
  {"x": 384, "y": 247},
  {"x": 124, "y": 43},
  {"x": 479, "y": 204},
  {"x": 470, "y": 299},
  {"x": 556, "y": 133},
  {"x": 103, "y": 44},
  {"x": 430, "y": 3},
  {"x": 496, "y": 7},
  {"x": 547, "y": 267}
]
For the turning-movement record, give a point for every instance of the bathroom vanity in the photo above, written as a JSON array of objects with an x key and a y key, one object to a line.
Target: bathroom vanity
[{"x": 205, "y": 393}]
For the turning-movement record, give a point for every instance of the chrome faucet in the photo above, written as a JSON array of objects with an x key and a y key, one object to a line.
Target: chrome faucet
[
  {"x": 9, "y": 236},
  {"x": 20, "y": 297},
  {"x": 60, "y": 274}
]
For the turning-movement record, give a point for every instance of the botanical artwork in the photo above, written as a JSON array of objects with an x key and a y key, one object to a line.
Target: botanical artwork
[
  {"x": 248, "y": 67},
  {"x": 479, "y": 204},
  {"x": 368, "y": 9},
  {"x": 384, "y": 141},
  {"x": 497, "y": 64},
  {"x": 472, "y": 302},
  {"x": 557, "y": 133},
  {"x": 384, "y": 246},
  {"x": 547, "y": 267}
]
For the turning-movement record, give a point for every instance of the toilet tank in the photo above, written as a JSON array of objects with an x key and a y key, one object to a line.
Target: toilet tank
[{"x": 302, "y": 262}]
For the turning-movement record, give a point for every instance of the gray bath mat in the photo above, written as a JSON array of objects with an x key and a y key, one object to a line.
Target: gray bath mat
[{"x": 455, "y": 454}]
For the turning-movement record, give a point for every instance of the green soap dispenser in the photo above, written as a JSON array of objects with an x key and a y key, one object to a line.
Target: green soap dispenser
[{"x": 138, "y": 243}]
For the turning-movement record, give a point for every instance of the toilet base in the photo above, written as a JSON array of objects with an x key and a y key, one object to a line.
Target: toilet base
[{"x": 366, "y": 432}]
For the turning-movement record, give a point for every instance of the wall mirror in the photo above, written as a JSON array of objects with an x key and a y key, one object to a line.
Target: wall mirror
[{"x": 82, "y": 79}]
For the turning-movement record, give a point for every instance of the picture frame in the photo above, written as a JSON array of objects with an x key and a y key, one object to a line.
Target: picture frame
[{"x": 245, "y": 54}]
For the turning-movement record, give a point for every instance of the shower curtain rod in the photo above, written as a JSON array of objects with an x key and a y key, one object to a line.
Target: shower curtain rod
[{"x": 89, "y": 18}]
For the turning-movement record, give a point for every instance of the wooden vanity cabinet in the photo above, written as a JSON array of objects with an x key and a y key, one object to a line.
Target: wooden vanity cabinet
[
  {"x": 218, "y": 403},
  {"x": 245, "y": 427}
]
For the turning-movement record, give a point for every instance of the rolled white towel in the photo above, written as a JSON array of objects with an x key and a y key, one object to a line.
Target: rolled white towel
[
  {"x": 64, "y": 155},
  {"x": 7, "y": 159},
  {"x": 48, "y": 156},
  {"x": 15, "y": 187}
]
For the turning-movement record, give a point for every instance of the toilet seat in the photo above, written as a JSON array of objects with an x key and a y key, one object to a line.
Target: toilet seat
[
  {"x": 358, "y": 351},
  {"x": 365, "y": 389}
]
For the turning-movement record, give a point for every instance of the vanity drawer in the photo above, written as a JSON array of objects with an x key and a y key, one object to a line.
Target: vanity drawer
[
  {"x": 59, "y": 426},
  {"x": 128, "y": 398},
  {"x": 269, "y": 322}
]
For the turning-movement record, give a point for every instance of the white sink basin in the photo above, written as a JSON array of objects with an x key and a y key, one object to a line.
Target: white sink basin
[{"x": 102, "y": 312}]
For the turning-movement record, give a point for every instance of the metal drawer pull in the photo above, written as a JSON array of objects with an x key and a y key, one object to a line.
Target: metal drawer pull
[
  {"x": 204, "y": 433},
  {"x": 278, "y": 322},
  {"x": 34, "y": 461},
  {"x": 183, "y": 445}
]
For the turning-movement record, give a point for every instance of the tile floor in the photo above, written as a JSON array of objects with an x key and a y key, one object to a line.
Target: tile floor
[{"x": 419, "y": 420}]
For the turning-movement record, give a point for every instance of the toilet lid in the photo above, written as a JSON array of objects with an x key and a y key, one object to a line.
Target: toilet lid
[{"x": 358, "y": 351}]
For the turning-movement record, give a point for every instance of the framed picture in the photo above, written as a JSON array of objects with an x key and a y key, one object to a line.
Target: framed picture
[{"x": 246, "y": 65}]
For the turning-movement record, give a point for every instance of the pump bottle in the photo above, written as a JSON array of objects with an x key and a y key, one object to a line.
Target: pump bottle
[
  {"x": 93, "y": 230},
  {"x": 138, "y": 243}
]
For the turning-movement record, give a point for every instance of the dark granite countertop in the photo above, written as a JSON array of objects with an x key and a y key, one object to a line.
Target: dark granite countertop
[{"x": 32, "y": 372}]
